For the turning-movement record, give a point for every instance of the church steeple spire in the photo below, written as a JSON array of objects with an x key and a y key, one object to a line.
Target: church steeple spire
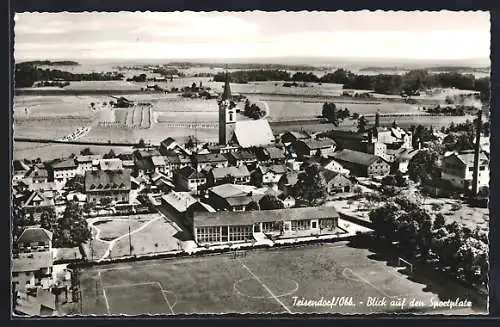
[{"x": 226, "y": 95}]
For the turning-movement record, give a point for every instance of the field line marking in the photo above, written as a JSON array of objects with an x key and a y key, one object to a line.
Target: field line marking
[
  {"x": 366, "y": 281},
  {"x": 130, "y": 285},
  {"x": 166, "y": 299},
  {"x": 265, "y": 287},
  {"x": 104, "y": 293}
]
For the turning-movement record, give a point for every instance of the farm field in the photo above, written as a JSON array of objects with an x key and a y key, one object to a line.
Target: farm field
[{"x": 264, "y": 281}]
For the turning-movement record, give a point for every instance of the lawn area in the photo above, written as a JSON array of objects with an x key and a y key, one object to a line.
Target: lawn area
[
  {"x": 263, "y": 281},
  {"x": 95, "y": 249},
  {"x": 455, "y": 210},
  {"x": 159, "y": 233},
  {"x": 116, "y": 227},
  {"x": 66, "y": 253}
]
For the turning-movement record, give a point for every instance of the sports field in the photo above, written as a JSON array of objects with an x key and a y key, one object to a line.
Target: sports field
[{"x": 263, "y": 281}]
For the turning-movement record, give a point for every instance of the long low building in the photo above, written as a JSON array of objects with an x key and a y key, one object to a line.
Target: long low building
[{"x": 210, "y": 228}]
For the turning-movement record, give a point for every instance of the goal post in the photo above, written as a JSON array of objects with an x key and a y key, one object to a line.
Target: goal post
[{"x": 405, "y": 264}]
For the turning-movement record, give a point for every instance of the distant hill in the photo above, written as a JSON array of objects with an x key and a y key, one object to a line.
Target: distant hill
[{"x": 51, "y": 63}]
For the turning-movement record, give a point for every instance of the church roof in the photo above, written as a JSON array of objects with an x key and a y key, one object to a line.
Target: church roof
[
  {"x": 226, "y": 95},
  {"x": 253, "y": 133}
]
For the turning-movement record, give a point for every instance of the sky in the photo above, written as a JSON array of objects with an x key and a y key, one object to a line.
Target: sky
[{"x": 190, "y": 35}]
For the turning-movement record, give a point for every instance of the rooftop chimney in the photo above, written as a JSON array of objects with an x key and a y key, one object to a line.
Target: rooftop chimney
[{"x": 477, "y": 149}]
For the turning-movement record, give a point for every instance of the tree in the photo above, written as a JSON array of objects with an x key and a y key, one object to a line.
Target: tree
[
  {"x": 110, "y": 155},
  {"x": 252, "y": 206},
  {"x": 439, "y": 221},
  {"x": 72, "y": 229},
  {"x": 106, "y": 201},
  {"x": 311, "y": 184},
  {"x": 423, "y": 165},
  {"x": 141, "y": 144},
  {"x": 86, "y": 152},
  {"x": 362, "y": 124},
  {"x": 384, "y": 220},
  {"x": 389, "y": 180},
  {"x": 330, "y": 112},
  {"x": 48, "y": 220},
  {"x": 270, "y": 202},
  {"x": 190, "y": 143}
]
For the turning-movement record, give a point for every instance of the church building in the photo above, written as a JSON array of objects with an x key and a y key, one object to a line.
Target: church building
[{"x": 246, "y": 133}]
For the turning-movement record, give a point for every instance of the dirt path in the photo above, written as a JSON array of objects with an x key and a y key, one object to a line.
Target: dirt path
[{"x": 112, "y": 243}]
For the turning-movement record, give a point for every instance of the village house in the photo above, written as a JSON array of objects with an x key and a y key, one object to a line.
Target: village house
[
  {"x": 127, "y": 160},
  {"x": 109, "y": 164},
  {"x": 289, "y": 138},
  {"x": 336, "y": 167},
  {"x": 288, "y": 201},
  {"x": 336, "y": 182},
  {"x": 19, "y": 170},
  {"x": 288, "y": 181},
  {"x": 458, "y": 168},
  {"x": 229, "y": 227},
  {"x": 268, "y": 175},
  {"x": 362, "y": 164},
  {"x": 183, "y": 205},
  {"x": 159, "y": 164},
  {"x": 235, "y": 175},
  {"x": 34, "y": 302},
  {"x": 224, "y": 149},
  {"x": 37, "y": 175},
  {"x": 271, "y": 154},
  {"x": 32, "y": 259},
  {"x": 100, "y": 184},
  {"x": 85, "y": 163},
  {"x": 242, "y": 158},
  {"x": 37, "y": 202},
  {"x": 311, "y": 147},
  {"x": 64, "y": 170},
  {"x": 402, "y": 160},
  {"x": 167, "y": 145},
  {"x": 189, "y": 180},
  {"x": 232, "y": 197},
  {"x": 209, "y": 161}
]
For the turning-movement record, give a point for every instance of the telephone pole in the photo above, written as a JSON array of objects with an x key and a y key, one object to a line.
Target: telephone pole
[{"x": 130, "y": 240}]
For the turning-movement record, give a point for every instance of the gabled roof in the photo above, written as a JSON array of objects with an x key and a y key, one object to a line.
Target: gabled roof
[
  {"x": 65, "y": 164},
  {"x": 167, "y": 142},
  {"x": 180, "y": 201},
  {"x": 206, "y": 219},
  {"x": 219, "y": 173},
  {"x": 253, "y": 133},
  {"x": 330, "y": 175},
  {"x": 356, "y": 157},
  {"x": 242, "y": 155},
  {"x": 35, "y": 235},
  {"x": 210, "y": 157},
  {"x": 102, "y": 180},
  {"x": 290, "y": 178},
  {"x": 158, "y": 161},
  {"x": 467, "y": 157},
  {"x": 37, "y": 172},
  {"x": 190, "y": 173},
  {"x": 36, "y": 262},
  {"x": 232, "y": 190},
  {"x": 111, "y": 164},
  {"x": 298, "y": 135},
  {"x": 276, "y": 169},
  {"x": 19, "y": 166},
  {"x": 89, "y": 158},
  {"x": 318, "y": 144},
  {"x": 172, "y": 160},
  {"x": 37, "y": 195},
  {"x": 274, "y": 153}
]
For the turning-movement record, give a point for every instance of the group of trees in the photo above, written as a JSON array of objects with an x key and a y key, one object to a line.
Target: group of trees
[
  {"x": 70, "y": 230},
  {"x": 409, "y": 84},
  {"x": 253, "y": 111},
  {"x": 311, "y": 185},
  {"x": 422, "y": 134},
  {"x": 458, "y": 249},
  {"x": 448, "y": 111},
  {"x": 26, "y": 74},
  {"x": 333, "y": 114},
  {"x": 423, "y": 166}
]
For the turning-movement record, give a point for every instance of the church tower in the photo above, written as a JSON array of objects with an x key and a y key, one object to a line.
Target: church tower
[{"x": 227, "y": 115}]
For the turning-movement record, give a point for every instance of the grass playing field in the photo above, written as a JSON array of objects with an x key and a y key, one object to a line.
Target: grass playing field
[{"x": 263, "y": 281}]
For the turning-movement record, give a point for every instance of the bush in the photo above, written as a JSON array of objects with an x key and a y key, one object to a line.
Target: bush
[{"x": 437, "y": 206}]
